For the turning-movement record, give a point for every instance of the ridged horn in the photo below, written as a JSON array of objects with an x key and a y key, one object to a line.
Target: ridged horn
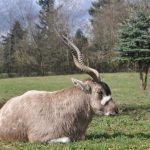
[{"x": 78, "y": 60}]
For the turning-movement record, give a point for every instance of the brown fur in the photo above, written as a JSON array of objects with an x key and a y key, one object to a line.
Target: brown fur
[{"x": 40, "y": 116}]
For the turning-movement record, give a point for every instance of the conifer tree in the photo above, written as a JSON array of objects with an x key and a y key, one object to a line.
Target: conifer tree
[
  {"x": 11, "y": 44},
  {"x": 46, "y": 4},
  {"x": 80, "y": 40},
  {"x": 134, "y": 43}
]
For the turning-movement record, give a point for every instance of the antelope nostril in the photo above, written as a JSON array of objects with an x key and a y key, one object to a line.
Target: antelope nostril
[
  {"x": 112, "y": 114},
  {"x": 117, "y": 111}
]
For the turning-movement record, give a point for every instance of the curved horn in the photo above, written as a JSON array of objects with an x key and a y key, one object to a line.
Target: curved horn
[{"x": 79, "y": 61}]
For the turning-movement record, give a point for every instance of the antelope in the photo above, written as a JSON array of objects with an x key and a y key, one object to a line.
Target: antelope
[{"x": 59, "y": 116}]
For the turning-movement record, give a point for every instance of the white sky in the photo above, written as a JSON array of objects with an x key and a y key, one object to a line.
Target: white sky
[
  {"x": 23, "y": 10},
  {"x": 78, "y": 13}
]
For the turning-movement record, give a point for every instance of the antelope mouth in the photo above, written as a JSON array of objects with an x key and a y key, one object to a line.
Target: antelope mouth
[
  {"x": 99, "y": 113},
  {"x": 110, "y": 114}
]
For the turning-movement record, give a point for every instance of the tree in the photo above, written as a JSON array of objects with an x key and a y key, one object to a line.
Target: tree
[
  {"x": 49, "y": 54},
  {"x": 134, "y": 43},
  {"x": 106, "y": 15},
  {"x": 47, "y": 5},
  {"x": 99, "y": 5},
  {"x": 80, "y": 40},
  {"x": 11, "y": 45}
]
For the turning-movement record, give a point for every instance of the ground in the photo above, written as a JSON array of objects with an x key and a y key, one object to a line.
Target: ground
[{"x": 130, "y": 130}]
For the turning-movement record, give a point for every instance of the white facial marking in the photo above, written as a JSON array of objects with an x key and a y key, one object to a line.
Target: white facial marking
[
  {"x": 60, "y": 140},
  {"x": 105, "y": 99},
  {"x": 107, "y": 114}
]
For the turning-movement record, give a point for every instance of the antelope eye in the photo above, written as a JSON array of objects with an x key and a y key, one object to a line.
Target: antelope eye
[{"x": 100, "y": 93}]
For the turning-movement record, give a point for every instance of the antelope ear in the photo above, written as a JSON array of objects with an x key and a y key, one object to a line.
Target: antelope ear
[{"x": 83, "y": 86}]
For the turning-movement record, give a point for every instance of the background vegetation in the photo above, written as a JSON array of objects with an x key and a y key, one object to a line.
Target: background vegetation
[
  {"x": 35, "y": 49},
  {"x": 130, "y": 130}
]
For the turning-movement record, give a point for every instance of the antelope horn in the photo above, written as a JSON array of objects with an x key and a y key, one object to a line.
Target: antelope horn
[{"x": 79, "y": 60}]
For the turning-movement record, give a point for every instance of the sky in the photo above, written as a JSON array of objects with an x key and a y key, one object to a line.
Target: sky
[
  {"x": 23, "y": 10},
  {"x": 78, "y": 13}
]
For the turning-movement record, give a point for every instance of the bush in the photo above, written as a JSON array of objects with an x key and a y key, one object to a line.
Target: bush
[{"x": 3, "y": 75}]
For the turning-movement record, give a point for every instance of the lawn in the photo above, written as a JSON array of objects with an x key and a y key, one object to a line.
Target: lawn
[{"x": 130, "y": 130}]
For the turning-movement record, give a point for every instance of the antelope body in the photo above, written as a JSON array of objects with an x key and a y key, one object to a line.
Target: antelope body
[{"x": 60, "y": 116}]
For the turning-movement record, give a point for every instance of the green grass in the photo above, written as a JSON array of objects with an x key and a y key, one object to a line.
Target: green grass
[{"x": 130, "y": 130}]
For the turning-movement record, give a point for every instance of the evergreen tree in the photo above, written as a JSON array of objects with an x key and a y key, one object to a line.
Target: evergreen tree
[
  {"x": 80, "y": 40},
  {"x": 46, "y": 4},
  {"x": 100, "y": 4},
  {"x": 10, "y": 44},
  {"x": 48, "y": 52},
  {"x": 134, "y": 43}
]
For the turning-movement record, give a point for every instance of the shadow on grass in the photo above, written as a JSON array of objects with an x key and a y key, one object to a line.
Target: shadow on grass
[
  {"x": 1, "y": 104},
  {"x": 128, "y": 109},
  {"x": 117, "y": 135}
]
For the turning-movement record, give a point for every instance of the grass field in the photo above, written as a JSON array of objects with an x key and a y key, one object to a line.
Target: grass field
[{"x": 130, "y": 130}]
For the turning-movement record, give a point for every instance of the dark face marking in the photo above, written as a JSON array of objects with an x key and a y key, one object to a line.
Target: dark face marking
[{"x": 105, "y": 89}]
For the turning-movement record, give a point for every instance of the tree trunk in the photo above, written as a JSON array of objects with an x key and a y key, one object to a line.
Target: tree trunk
[
  {"x": 68, "y": 62},
  {"x": 143, "y": 78},
  {"x": 146, "y": 74}
]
